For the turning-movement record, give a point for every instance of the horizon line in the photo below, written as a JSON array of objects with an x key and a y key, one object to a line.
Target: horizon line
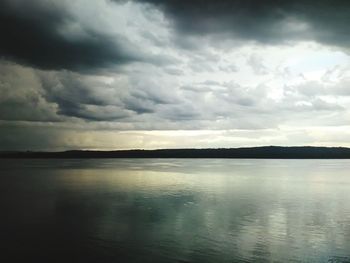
[{"x": 161, "y": 149}]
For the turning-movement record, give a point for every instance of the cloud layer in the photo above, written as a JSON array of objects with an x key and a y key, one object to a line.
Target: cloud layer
[
  {"x": 269, "y": 22},
  {"x": 152, "y": 74}
]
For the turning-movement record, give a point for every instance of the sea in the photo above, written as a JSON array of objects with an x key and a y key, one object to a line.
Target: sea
[{"x": 174, "y": 210}]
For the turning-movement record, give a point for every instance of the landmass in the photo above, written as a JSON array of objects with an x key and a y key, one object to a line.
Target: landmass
[{"x": 264, "y": 152}]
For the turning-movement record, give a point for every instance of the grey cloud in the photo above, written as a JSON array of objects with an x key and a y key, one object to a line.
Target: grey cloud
[
  {"x": 272, "y": 21},
  {"x": 257, "y": 64},
  {"x": 139, "y": 105},
  {"x": 66, "y": 88},
  {"x": 84, "y": 97},
  {"x": 230, "y": 68},
  {"x": 184, "y": 111},
  {"x": 203, "y": 61},
  {"x": 90, "y": 98},
  {"x": 38, "y": 33},
  {"x": 147, "y": 101},
  {"x": 27, "y": 94},
  {"x": 222, "y": 105},
  {"x": 322, "y": 87},
  {"x": 240, "y": 107},
  {"x": 158, "y": 41},
  {"x": 22, "y": 96},
  {"x": 211, "y": 83},
  {"x": 95, "y": 113},
  {"x": 320, "y": 104},
  {"x": 196, "y": 89},
  {"x": 174, "y": 71},
  {"x": 308, "y": 89}
]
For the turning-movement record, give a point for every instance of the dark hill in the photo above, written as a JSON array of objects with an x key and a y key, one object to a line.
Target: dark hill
[{"x": 270, "y": 152}]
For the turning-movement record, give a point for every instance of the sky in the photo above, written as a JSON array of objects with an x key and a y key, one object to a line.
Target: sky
[{"x": 148, "y": 74}]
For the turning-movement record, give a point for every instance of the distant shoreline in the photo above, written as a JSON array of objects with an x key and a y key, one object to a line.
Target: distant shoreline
[{"x": 264, "y": 152}]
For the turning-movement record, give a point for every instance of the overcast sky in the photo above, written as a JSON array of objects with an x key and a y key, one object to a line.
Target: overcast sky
[{"x": 104, "y": 74}]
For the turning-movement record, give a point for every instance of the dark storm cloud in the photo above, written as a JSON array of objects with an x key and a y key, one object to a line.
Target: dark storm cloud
[
  {"x": 33, "y": 33},
  {"x": 28, "y": 94},
  {"x": 22, "y": 97},
  {"x": 268, "y": 21},
  {"x": 88, "y": 98},
  {"x": 82, "y": 97}
]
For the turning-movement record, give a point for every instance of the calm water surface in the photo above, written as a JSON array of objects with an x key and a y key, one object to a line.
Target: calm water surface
[{"x": 175, "y": 210}]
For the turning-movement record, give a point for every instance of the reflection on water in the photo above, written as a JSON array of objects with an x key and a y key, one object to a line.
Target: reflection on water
[{"x": 175, "y": 210}]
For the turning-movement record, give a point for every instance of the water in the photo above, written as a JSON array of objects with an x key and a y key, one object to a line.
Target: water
[{"x": 154, "y": 210}]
